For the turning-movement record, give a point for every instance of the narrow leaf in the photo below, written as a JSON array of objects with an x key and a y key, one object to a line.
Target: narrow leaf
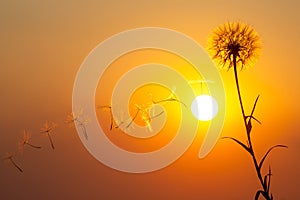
[
  {"x": 258, "y": 193},
  {"x": 265, "y": 181},
  {"x": 269, "y": 182},
  {"x": 254, "y": 106},
  {"x": 237, "y": 141},
  {"x": 256, "y": 119},
  {"x": 265, "y": 156}
]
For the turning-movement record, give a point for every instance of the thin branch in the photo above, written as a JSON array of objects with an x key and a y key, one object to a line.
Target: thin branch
[
  {"x": 239, "y": 142},
  {"x": 267, "y": 153}
]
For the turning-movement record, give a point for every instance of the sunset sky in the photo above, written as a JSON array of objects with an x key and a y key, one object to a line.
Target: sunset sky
[{"x": 42, "y": 46}]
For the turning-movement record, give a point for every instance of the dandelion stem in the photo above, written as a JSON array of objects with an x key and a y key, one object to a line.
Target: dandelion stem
[
  {"x": 238, "y": 89},
  {"x": 258, "y": 171}
]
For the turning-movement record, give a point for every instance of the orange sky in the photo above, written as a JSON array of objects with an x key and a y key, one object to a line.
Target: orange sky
[{"x": 43, "y": 44}]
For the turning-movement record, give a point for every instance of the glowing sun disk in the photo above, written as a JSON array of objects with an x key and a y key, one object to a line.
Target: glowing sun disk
[{"x": 204, "y": 107}]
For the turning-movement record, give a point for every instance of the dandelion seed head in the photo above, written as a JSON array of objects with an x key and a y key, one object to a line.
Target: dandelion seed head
[{"x": 234, "y": 40}]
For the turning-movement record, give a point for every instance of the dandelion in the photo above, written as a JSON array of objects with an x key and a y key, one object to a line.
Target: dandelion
[
  {"x": 237, "y": 45},
  {"x": 234, "y": 44},
  {"x": 47, "y": 128},
  {"x": 10, "y": 158},
  {"x": 73, "y": 118},
  {"x": 25, "y": 141}
]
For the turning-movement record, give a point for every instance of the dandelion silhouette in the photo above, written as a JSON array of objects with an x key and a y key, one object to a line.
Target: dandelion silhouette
[
  {"x": 47, "y": 129},
  {"x": 237, "y": 45},
  {"x": 10, "y": 157},
  {"x": 73, "y": 118},
  {"x": 25, "y": 141},
  {"x": 234, "y": 45}
]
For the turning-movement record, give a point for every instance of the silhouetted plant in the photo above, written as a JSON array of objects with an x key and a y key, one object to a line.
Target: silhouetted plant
[
  {"x": 237, "y": 45},
  {"x": 47, "y": 128}
]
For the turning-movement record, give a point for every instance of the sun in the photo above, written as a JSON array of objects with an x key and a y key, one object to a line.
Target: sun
[{"x": 204, "y": 107}]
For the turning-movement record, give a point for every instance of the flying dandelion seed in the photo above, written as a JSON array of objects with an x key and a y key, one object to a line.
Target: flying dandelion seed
[
  {"x": 147, "y": 119},
  {"x": 25, "y": 141},
  {"x": 170, "y": 98},
  {"x": 135, "y": 116},
  {"x": 141, "y": 110},
  {"x": 47, "y": 128},
  {"x": 234, "y": 45},
  {"x": 144, "y": 112},
  {"x": 73, "y": 118},
  {"x": 9, "y": 157},
  {"x": 113, "y": 123}
]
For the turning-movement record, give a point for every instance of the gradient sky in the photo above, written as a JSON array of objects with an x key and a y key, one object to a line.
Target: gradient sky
[{"x": 42, "y": 45}]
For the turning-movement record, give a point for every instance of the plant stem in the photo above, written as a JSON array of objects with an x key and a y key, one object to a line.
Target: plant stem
[
  {"x": 238, "y": 90},
  {"x": 248, "y": 130}
]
